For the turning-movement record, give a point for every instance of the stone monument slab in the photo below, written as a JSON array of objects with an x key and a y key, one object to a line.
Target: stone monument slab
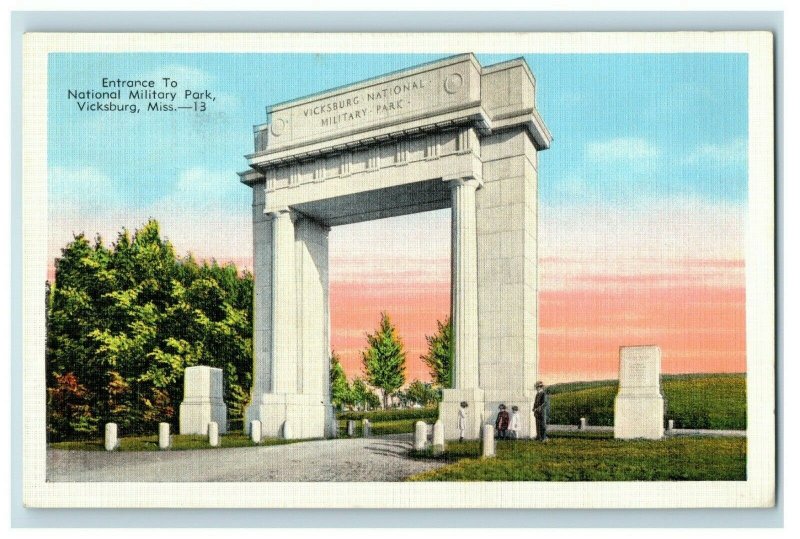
[
  {"x": 202, "y": 401},
  {"x": 639, "y": 406}
]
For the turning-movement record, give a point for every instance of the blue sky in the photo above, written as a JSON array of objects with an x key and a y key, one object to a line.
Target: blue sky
[{"x": 629, "y": 130}]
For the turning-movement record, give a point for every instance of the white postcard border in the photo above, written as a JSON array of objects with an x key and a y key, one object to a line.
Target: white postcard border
[{"x": 757, "y": 491}]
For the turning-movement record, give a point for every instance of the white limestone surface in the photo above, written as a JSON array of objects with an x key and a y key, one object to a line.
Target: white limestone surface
[
  {"x": 420, "y": 436},
  {"x": 163, "y": 436},
  {"x": 487, "y": 441},
  {"x": 639, "y": 406},
  {"x": 111, "y": 441},
  {"x": 213, "y": 434},
  {"x": 202, "y": 401}
]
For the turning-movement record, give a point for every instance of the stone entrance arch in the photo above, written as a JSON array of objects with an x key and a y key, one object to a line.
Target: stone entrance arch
[{"x": 450, "y": 133}]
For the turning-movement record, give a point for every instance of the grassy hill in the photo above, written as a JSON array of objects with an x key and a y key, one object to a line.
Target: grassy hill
[
  {"x": 699, "y": 401},
  {"x": 695, "y": 401}
]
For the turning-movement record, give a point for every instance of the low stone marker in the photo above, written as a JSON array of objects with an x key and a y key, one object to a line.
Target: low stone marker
[
  {"x": 351, "y": 427},
  {"x": 202, "y": 400},
  {"x": 366, "y": 428},
  {"x": 582, "y": 424},
  {"x": 420, "y": 435},
  {"x": 163, "y": 436},
  {"x": 286, "y": 431},
  {"x": 639, "y": 406},
  {"x": 213, "y": 434},
  {"x": 438, "y": 437},
  {"x": 671, "y": 424},
  {"x": 255, "y": 431},
  {"x": 111, "y": 437},
  {"x": 487, "y": 441}
]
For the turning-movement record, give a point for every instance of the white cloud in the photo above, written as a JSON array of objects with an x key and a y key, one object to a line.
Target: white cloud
[
  {"x": 729, "y": 154},
  {"x": 207, "y": 212}
]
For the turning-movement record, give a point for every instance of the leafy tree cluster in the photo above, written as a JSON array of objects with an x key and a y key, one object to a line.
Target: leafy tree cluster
[
  {"x": 356, "y": 395},
  {"x": 125, "y": 321},
  {"x": 421, "y": 393},
  {"x": 384, "y": 365},
  {"x": 439, "y": 358}
]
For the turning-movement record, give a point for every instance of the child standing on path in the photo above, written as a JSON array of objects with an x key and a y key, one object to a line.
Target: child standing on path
[{"x": 514, "y": 426}]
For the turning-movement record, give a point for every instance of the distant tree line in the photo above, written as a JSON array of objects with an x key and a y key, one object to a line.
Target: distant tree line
[
  {"x": 125, "y": 321},
  {"x": 384, "y": 367}
]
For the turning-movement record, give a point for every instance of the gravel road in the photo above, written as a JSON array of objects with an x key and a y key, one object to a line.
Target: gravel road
[{"x": 358, "y": 459}]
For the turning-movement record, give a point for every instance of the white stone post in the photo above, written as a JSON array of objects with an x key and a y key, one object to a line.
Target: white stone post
[
  {"x": 671, "y": 425},
  {"x": 438, "y": 437},
  {"x": 163, "y": 436},
  {"x": 213, "y": 434},
  {"x": 420, "y": 435},
  {"x": 366, "y": 428},
  {"x": 284, "y": 305},
  {"x": 582, "y": 424},
  {"x": 464, "y": 285},
  {"x": 488, "y": 440},
  {"x": 111, "y": 437},
  {"x": 351, "y": 428},
  {"x": 286, "y": 431},
  {"x": 255, "y": 431}
]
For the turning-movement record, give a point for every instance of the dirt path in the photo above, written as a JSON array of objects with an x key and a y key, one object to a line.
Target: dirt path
[{"x": 359, "y": 459}]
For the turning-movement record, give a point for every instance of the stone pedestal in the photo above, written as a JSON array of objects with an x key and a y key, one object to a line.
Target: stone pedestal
[
  {"x": 438, "y": 437},
  {"x": 163, "y": 436},
  {"x": 111, "y": 441},
  {"x": 639, "y": 406},
  {"x": 202, "y": 401},
  {"x": 487, "y": 441},
  {"x": 420, "y": 436},
  {"x": 451, "y": 404},
  {"x": 299, "y": 416},
  {"x": 213, "y": 434},
  {"x": 255, "y": 431}
]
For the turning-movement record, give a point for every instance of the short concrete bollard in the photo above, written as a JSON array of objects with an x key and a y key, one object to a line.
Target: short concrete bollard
[
  {"x": 111, "y": 437},
  {"x": 286, "y": 431},
  {"x": 582, "y": 424},
  {"x": 488, "y": 440},
  {"x": 351, "y": 428},
  {"x": 438, "y": 437},
  {"x": 213, "y": 434},
  {"x": 366, "y": 428},
  {"x": 671, "y": 424},
  {"x": 163, "y": 436},
  {"x": 420, "y": 436},
  {"x": 255, "y": 431}
]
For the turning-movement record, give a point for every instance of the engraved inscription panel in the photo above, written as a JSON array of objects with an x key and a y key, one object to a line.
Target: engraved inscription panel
[
  {"x": 387, "y": 101},
  {"x": 640, "y": 367}
]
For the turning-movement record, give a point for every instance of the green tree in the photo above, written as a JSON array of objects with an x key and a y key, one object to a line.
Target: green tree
[
  {"x": 341, "y": 392},
  {"x": 420, "y": 393},
  {"x": 384, "y": 359},
  {"x": 123, "y": 324},
  {"x": 439, "y": 358},
  {"x": 362, "y": 396}
]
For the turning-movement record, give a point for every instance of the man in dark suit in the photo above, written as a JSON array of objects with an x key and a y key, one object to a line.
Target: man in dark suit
[{"x": 541, "y": 409}]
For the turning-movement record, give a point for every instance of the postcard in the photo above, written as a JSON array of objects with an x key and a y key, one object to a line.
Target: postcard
[{"x": 399, "y": 270}]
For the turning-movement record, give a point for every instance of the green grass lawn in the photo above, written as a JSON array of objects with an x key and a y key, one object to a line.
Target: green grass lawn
[
  {"x": 594, "y": 458},
  {"x": 704, "y": 401},
  {"x": 179, "y": 442}
]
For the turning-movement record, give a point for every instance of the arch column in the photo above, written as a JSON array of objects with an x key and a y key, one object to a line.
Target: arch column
[
  {"x": 464, "y": 283},
  {"x": 463, "y": 313},
  {"x": 284, "y": 347}
]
